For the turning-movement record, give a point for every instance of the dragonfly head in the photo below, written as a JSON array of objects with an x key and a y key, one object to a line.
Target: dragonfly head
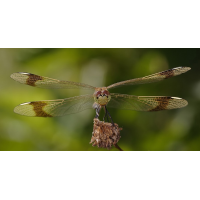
[{"x": 102, "y": 96}]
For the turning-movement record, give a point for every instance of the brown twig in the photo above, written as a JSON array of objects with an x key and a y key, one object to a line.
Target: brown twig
[{"x": 117, "y": 147}]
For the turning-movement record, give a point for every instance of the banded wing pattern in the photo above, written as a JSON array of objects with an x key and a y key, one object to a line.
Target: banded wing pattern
[
  {"x": 45, "y": 82},
  {"x": 60, "y": 107},
  {"x": 152, "y": 78},
  {"x": 145, "y": 103},
  {"x": 53, "y": 108}
]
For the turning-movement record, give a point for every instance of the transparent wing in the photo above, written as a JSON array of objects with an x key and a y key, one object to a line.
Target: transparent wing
[
  {"x": 145, "y": 103},
  {"x": 45, "y": 82},
  {"x": 152, "y": 78},
  {"x": 53, "y": 108}
]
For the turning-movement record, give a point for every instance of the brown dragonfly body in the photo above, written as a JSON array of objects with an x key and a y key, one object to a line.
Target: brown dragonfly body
[{"x": 101, "y": 97}]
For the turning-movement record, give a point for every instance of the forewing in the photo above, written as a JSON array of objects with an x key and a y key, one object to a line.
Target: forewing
[
  {"x": 152, "y": 78},
  {"x": 45, "y": 82},
  {"x": 54, "y": 108},
  {"x": 145, "y": 103}
]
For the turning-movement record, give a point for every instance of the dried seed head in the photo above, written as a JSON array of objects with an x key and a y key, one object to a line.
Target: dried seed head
[{"x": 105, "y": 134}]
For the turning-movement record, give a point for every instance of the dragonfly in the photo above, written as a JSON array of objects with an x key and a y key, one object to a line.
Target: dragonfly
[{"x": 101, "y": 98}]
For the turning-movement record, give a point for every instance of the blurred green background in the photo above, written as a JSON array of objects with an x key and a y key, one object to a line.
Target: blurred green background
[{"x": 165, "y": 130}]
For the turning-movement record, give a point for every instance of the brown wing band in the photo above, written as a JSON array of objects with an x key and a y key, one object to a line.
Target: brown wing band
[
  {"x": 168, "y": 73},
  {"x": 32, "y": 79},
  {"x": 38, "y": 108},
  {"x": 162, "y": 105}
]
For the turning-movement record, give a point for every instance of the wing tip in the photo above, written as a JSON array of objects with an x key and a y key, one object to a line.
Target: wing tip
[
  {"x": 16, "y": 110},
  {"x": 13, "y": 75},
  {"x": 183, "y": 68},
  {"x": 187, "y": 68},
  {"x": 183, "y": 101},
  {"x": 19, "y": 109},
  {"x": 16, "y": 74}
]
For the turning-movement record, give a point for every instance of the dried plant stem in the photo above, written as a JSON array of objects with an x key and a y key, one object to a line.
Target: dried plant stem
[{"x": 117, "y": 147}]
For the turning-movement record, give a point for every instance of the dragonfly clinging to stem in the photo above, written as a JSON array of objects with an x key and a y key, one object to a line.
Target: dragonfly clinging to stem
[{"x": 101, "y": 97}]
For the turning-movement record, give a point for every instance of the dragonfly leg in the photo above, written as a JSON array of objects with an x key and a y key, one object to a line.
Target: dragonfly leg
[
  {"x": 97, "y": 112},
  {"x": 108, "y": 114},
  {"x": 105, "y": 114}
]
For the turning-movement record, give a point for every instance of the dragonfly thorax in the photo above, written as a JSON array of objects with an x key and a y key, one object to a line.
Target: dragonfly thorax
[{"x": 102, "y": 96}]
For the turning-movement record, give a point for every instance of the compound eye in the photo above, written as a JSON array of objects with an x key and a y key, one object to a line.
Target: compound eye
[
  {"x": 98, "y": 93},
  {"x": 106, "y": 93}
]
